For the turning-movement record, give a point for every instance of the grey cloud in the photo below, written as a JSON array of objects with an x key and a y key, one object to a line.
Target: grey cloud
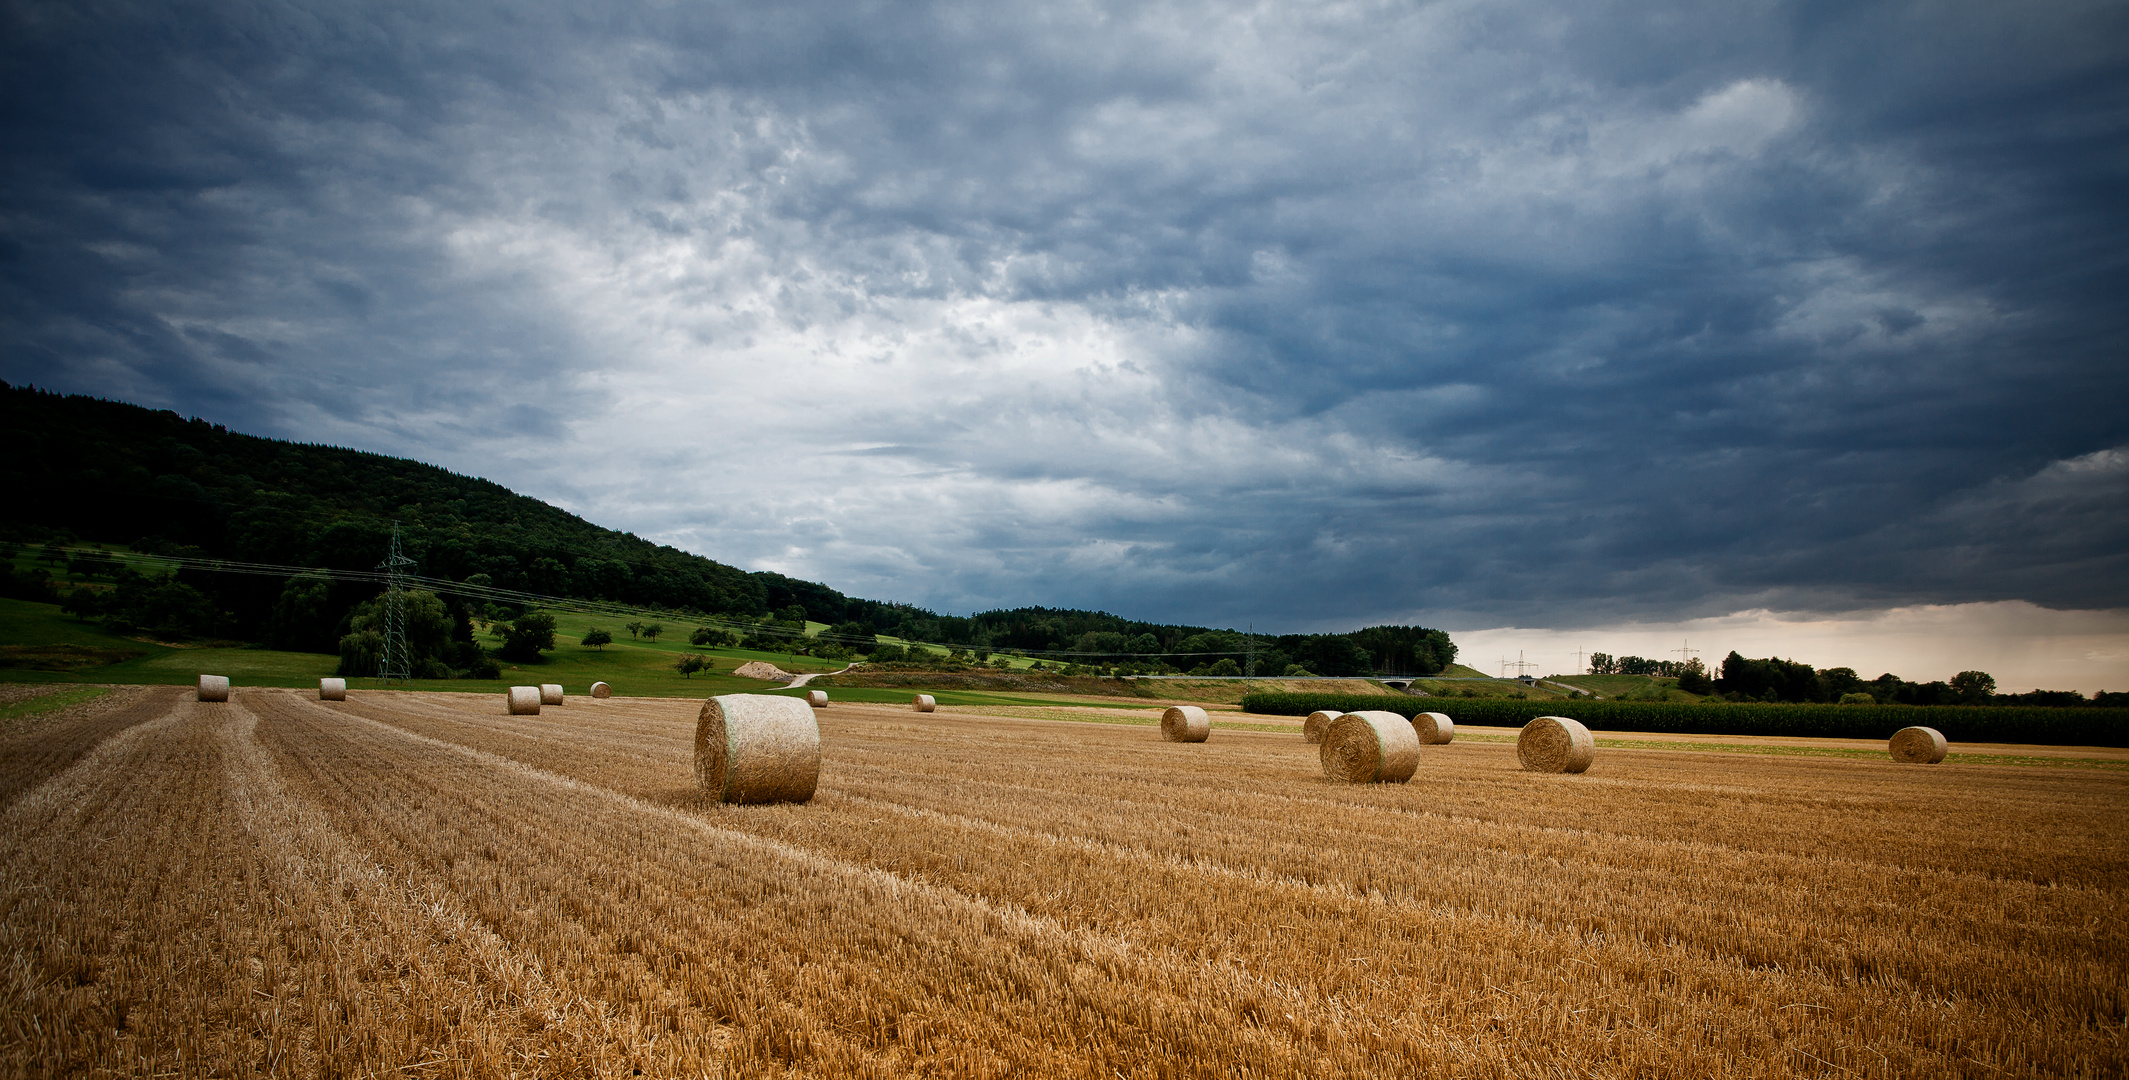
[{"x": 1699, "y": 305}]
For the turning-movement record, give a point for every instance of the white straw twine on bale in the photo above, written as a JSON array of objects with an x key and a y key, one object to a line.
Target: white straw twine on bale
[
  {"x": 550, "y": 693},
  {"x": 923, "y": 703},
  {"x": 1918, "y": 746},
  {"x": 1185, "y": 723},
  {"x": 1312, "y": 728},
  {"x": 524, "y": 701},
  {"x": 757, "y": 748},
  {"x": 1555, "y": 744},
  {"x": 332, "y": 689},
  {"x": 601, "y": 690},
  {"x": 1434, "y": 728},
  {"x": 817, "y": 698},
  {"x": 214, "y": 688},
  {"x": 1370, "y": 748}
]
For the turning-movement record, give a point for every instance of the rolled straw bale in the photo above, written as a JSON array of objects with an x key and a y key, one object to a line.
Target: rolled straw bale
[
  {"x": 601, "y": 690},
  {"x": 1555, "y": 744},
  {"x": 332, "y": 689},
  {"x": 1370, "y": 748},
  {"x": 214, "y": 688},
  {"x": 1312, "y": 728},
  {"x": 1185, "y": 723},
  {"x": 1918, "y": 746},
  {"x": 817, "y": 698},
  {"x": 923, "y": 703},
  {"x": 757, "y": 748},
  {"x": 524, "y": 701},
  {"x": 550, "y": 693},
  {"x": 1434, "y": 728}
]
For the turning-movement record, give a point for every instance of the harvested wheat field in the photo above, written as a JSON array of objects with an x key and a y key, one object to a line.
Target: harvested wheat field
[{"x": 418, "y": 884}]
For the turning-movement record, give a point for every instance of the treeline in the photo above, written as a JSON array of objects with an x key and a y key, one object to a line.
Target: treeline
[
  {"x": 1772, "y": 680},
  {"x": 86, "y": 468},
  {"x": 2012, "y": 724}
]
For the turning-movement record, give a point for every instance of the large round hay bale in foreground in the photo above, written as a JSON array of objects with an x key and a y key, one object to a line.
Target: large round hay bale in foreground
[
  {"x": 550, "y": 693},
  {"x": 332, "y": 689},
  {"x": 1312, "y": 728},
  {"x": 757, "y": 748},
  {"x": 214, "y": 688},
  {"x": 1918, "y": 746},
  {"x": 601, "y": 690},
  {"x": 817, "y": 698},
  {"x": 524, "y": 701},
  {"x": 1370, "y": 748},
  {"x": 1185, "y": 723},
  {"x": 1555, "y": 744},
  {"x": 1433, "y": 728},
  {"x": 923, "y": 703}
]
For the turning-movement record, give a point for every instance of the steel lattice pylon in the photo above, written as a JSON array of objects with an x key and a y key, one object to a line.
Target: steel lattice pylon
[{"x": 395, "y": 664}]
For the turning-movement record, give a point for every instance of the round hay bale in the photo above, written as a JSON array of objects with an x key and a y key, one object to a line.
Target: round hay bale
[
  {"x": 524, "y": 700},
  {"x": 817, "y": 698},
  {"x": 1312, "y": 728},
  {"x": 550, "y": 693},
  {"x": 1555, "y": 744},
  {"x": 1185, "y": 723},
  {"x": 1918, "y": 746},
  {"x": 214, "y": 688},
  {"x": 923, "y": 703},
  {"x": 757, "y": 748},
  {"x": 1434, "y": 728},
  {"x": 332, "y": 689},
  {"x": 1370, "y": 748},
  {"x": 601, "y": 690}
]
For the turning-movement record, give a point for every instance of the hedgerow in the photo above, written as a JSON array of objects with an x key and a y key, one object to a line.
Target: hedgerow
[{"x": 1979, "y": 723}]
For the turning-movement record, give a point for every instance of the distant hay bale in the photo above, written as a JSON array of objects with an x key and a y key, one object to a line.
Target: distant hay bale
[
  {"x": 923, "y": 703},
  {"x": 757, "y": 748},
  {"x": 601, "y": 690},
  {"x": 332, "y": 689},
  {"x": 1433, "y": 728},
  {"x": 1555, "y": 744},
  {"x": 1918, "y": 746},
  {"x": 1185, "y": 723},
  {"x": 214, "y": 688},
  {"x": 550, "y": 693},
  {"x": 1312, "y": 728},
  {"x": 817, "y": 698},
  {"x": 524, "y": 701},
  {"x": 1370, "y": 748}
]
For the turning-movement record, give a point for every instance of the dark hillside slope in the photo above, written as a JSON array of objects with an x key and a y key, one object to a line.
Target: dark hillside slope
[
  {"x": 89, "y": 469},
  {"x": 111, "y": 471}
]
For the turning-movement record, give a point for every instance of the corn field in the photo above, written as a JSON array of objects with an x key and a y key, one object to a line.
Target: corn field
[{"x": 415, "y": 884}]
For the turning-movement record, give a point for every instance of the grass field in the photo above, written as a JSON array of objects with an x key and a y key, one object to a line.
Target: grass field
[{"x": 415, "y": 884}]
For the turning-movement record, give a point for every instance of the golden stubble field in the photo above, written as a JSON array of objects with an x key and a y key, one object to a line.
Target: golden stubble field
[{"x": 417, "y": 885}]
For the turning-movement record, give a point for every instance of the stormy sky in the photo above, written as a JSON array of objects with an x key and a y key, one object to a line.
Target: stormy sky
[{"x": 1561, "y": 315}]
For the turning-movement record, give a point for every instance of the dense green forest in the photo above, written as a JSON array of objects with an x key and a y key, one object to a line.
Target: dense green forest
[{"x": 89, "y": 470}]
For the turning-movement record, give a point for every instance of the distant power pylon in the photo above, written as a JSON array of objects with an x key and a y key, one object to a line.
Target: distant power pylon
[
  {"x": 1685, "y": 655},
  {"x": 1519, "y": 664},
  {"x": 395, "y": 664}
]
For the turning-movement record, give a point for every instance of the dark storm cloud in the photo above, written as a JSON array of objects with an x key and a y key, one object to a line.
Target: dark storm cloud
[{"x": 1464, "y": 313}]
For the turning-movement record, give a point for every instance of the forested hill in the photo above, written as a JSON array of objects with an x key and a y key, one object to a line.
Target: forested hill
[
  {"x": 113, "y": 472},
  {"x": 93, "y": 470}
]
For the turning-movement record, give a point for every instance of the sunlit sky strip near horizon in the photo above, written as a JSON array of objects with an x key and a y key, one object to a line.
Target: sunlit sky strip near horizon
[{"x": 1799, "y": 326}]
